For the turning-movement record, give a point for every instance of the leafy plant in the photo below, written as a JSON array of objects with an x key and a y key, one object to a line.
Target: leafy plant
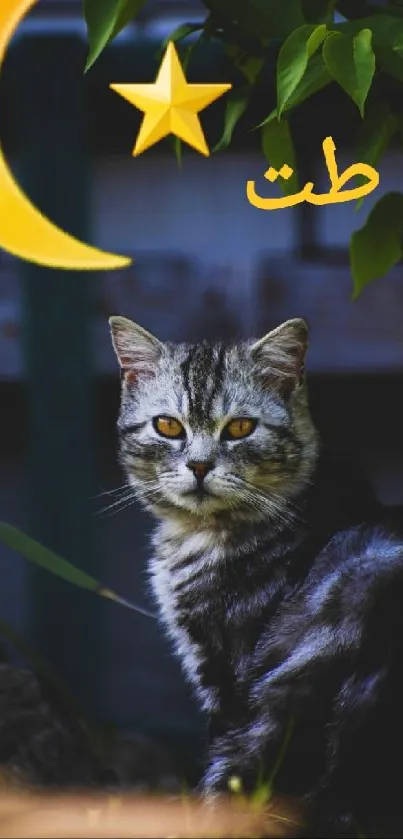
[
  {"x": 44, "y": 558},
  {"x": 312, "y": 48}
]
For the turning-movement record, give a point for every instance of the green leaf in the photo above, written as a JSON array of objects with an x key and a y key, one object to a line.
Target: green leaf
[
  {"x": 293, "y": 60},
  {"x": 181, "y": 32},
  {"x": 377, "y": 247},
  {"x": 387, "y": 34},
  {"x": 390, "y": 61},
  {"x": 105, "y": 19},
  {"x": 351, "y": 62},
  {"x": 316, "y": 77},
  {"x": 377, "y": 131},
  {"x": 268, "y": 119},
  {"x": 386, "y": 30},
  {"x": 236, "y": 104},
  {"x": 249, "y": 65},
  {"x": 178, "y": 148},
  {"x": 251, "y": 68},
  {"x": 45, "y": 558},
  {"x": 278, "y": 149}
]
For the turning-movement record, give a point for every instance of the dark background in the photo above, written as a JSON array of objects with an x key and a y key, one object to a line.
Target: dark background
[{"x": 207, "y": 264}]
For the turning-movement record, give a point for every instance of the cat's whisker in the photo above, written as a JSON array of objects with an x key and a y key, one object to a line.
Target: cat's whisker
[
  {"x": 113, "y": 491},
  {"x": 284, "y": 509},
  {"x": 269, "y": 507},
  {"x": 117, "y": 505},
  {"x": 110, "y": 513}
]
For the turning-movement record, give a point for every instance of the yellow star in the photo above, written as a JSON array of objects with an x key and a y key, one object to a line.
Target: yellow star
[{"x": 170, "y": 105}]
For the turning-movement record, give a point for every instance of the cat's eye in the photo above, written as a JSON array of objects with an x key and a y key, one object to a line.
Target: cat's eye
[
  {"x": 238, "y": 428},
  {"x": 169, "y": 427}
]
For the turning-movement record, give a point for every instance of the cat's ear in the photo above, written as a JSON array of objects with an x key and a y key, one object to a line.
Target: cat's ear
[
  {"x": 138, "y": 352},
  {"x": 280, "y": 355}
]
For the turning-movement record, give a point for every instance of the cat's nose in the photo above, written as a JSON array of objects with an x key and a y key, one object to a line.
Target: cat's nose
[{"x": 200, "y": 468}]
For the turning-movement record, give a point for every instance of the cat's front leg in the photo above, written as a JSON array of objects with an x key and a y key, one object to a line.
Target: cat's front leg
[
  {"x": 235, "y": 754},
  {"x": 224, "y": 762}
]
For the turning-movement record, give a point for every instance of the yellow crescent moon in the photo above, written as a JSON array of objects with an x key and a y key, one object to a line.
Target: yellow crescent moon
[{"x": 24, "y": 231}]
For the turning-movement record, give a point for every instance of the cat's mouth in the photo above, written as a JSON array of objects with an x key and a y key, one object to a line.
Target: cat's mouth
[{"x": 199, "y": 493}]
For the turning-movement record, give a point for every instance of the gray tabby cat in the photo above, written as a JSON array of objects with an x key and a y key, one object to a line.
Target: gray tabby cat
[{"x": 285, "y": 610}]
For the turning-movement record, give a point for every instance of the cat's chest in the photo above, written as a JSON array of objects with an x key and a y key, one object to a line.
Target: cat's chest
[
  {"x": 191, "y": 648},
  {"x": 186, "y": 583},
  {"x": 191, "y": 584},
  {"x": 190, "y": 600},
  {"x": 213, "y": 615}
]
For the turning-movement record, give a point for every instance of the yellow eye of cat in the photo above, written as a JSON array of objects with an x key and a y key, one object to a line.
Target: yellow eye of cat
[
  {"x": 238, "y": 428},
  {"x": 169, "y": 427}
]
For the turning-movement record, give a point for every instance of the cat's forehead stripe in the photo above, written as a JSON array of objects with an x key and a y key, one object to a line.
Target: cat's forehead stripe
[
  {"x": 202, "y": 374},
  {"x": 218, "y": 376}
]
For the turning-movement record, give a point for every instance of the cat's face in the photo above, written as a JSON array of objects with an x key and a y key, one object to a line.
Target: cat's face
[{"x": 215, "y": 430}]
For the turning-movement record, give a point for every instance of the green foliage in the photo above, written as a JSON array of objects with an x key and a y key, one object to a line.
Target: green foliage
[
  {"x": 105, "y": 19},
  {"x": 351, "y": 62},
  {"x": 316, "y": 77},
  {"x": 293, "y": 60},
  {"x": 47, "y": 559},
  {"x": 278, "y": 147},
  {"x": 32, "y": 550},
  {"x": 311, "y": 51},
  {"x": 249, "y": 65},
  {"x": 376, "y": 133},
  {"x": 377, "y": 247},
  {"x": 181, "y": 32},
  {"x": 236, "y": 105}
]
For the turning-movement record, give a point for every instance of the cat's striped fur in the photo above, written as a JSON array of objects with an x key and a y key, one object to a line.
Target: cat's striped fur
[{"x": 283, "y": 607}]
